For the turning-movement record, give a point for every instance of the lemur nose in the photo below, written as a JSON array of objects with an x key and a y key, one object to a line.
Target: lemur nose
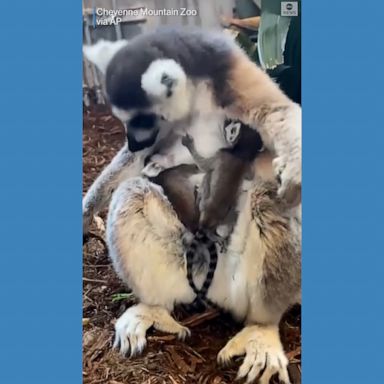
[{"x": 142, "y": 121}]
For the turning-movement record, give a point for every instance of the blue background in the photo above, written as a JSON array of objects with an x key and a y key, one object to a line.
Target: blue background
[
  {"x": 41, "y": 190},
  {"x": 41, "y": 166},
  {"x": 343, "y": 200}
]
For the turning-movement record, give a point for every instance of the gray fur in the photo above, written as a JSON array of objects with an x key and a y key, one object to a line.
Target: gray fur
[{"x": 124, "y": 164}]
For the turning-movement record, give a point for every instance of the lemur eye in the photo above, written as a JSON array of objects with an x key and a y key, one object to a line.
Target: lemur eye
[
  {"x": 168, "y": 82},
  {"x": 164, "y": 78}
]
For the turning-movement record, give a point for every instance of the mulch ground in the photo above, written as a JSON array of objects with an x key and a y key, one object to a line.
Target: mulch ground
[{"x": 165, "y": 360}]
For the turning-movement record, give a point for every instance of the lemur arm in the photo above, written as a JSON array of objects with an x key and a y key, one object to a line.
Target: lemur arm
[
  {"x": 203, "y": 163},
  {"x": 125, "y": 164},
  {"x": 260, "y": 103}
]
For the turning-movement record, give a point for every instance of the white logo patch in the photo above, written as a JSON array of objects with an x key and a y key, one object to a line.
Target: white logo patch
[{"x": 289, "y": 8}]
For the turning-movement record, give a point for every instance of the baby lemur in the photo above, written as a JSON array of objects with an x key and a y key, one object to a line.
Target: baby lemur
[
  {"x": 224, "y": 175},
  {"x": 180, "y": 192}
]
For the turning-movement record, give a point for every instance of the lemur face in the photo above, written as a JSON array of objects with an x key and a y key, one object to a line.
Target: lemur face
[
  {"x": 143, "y": 85},
  {"x": 146, "y": 90},
  {"x": 232, "y": 131}
]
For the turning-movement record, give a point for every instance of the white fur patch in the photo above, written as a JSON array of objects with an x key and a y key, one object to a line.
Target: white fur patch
[
  {"x": 101, "y": 53},
  {"x": 152, "y": 169},
  {"x": 151, "y": 80},
  {"x": 166, "y": 81},
  {"x": 142, "y": 134},
  {"x": 132, "y": 326},
  {"x": 232, "y": 131}
]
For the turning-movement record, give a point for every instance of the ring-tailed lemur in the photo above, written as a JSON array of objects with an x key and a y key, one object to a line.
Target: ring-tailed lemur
[
  {"x": 259, "y": 277},
  {"x": 179, "y": 190}
]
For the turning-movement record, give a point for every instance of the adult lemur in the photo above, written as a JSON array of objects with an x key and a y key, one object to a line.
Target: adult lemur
[{"x": 187, "y": 82}]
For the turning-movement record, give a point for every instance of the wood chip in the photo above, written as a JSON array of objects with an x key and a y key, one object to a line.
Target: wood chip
[
  {"x": 178, "y": 360},
  {"x": 200, "y": 318}
]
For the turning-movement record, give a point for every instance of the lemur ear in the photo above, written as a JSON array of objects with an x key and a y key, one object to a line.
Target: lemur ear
[
  {"x": 163, "y": 77},
  {"x": 101, "y": 53},
  {"x": 232, "y": 132}
]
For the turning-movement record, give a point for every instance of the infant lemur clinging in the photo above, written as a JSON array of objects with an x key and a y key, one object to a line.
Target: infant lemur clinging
[
  {"x": 217, "y": 197},
  {"x": 180, "y": 192}
]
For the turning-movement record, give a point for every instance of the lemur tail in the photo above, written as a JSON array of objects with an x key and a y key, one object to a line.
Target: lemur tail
[{"x": 202, "y": 238}]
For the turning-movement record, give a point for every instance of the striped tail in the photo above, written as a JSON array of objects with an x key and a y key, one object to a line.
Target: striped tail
[{"x": 201, "y": 295}]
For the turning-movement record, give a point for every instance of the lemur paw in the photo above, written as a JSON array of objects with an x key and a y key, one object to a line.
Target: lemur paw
[
  {"x": 278, "y": 164},
  {"x": 165, "y": 161},
  {"x": 187, "y": 140},
  {"x": 132, "y": 326},
  {"x": 152, "y": 169},
  {"x": 288, "y": 174},
  {"x": 264, "y": 354}
]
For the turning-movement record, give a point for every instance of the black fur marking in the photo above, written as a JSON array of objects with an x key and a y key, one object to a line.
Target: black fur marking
[
  {"x": 166, "y": 80},
  {"x": 142, "y": 121},
  {"x": 169, "y": 83},
  {"x": 201, "y": 295},
  {"x": 135, "y": 146}
]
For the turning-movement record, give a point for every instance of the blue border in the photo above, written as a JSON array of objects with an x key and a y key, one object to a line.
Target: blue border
[
  {"x": 343, "y": 196},
  {"x": 41, "y": 179},
  {"x": 40, "y": 138}
]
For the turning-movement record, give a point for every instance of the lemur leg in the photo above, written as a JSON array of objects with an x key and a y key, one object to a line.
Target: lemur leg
[
  {"x": 284, "y": 122},
  {"x": 260, "y": 103},
  {"x": 132, "y": 326},
  {"x": 125, "y": 164},
  {"x": 145, "y": 242},
  {"x": 269, "y": 252},
  {"x": 263, "y": 350},
  {"x": 203, "y": 163}
]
